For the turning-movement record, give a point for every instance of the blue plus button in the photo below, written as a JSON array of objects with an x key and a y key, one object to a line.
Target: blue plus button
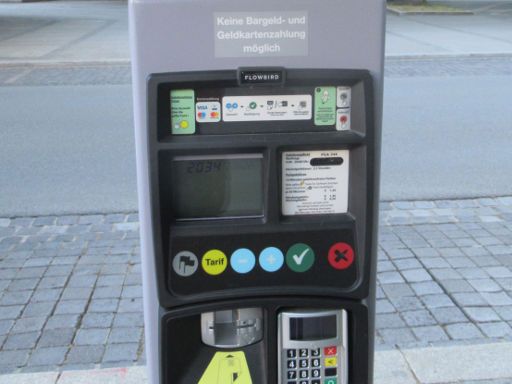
[
  {"x": 271, "y": 259},
  {"x": 243, "y": 260}
]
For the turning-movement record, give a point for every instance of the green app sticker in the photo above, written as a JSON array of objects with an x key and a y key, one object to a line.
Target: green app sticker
[
  {"x": 183, "y": 112},
  {"x": 325, "y": 105},
  {"x": 300, "y": 257}
]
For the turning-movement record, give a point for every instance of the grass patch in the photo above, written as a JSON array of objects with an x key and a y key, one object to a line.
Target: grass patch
[{"x": 426, "y": 8}]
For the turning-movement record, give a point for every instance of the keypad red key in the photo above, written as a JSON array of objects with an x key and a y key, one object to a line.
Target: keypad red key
[{"x": 330, "y": 351}]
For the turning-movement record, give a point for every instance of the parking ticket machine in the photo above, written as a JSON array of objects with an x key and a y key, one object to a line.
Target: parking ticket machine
[{"x": 258, "y": 145}]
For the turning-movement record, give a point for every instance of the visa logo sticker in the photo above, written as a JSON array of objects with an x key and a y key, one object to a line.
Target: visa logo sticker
[{"x": 208, "y": 112}]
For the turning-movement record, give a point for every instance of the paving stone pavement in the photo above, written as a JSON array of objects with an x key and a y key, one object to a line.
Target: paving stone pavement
[{"x": 70, "y": 286}]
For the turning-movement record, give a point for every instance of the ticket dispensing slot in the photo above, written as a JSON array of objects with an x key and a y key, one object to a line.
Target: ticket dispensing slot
[{"x": 232, "y": 328}]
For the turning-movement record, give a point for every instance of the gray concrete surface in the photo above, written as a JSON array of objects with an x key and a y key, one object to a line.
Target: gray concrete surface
[{"x": 414, "y": 366}]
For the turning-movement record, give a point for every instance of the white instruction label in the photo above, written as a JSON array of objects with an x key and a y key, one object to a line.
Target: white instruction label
[
  {"x": 343, "y": 119},
  {"x": 315, "y": 182},
  {"x": 344, "y": 99},
  {"x": 260, "y": 34},
  {"x": 267, "y": 108}
]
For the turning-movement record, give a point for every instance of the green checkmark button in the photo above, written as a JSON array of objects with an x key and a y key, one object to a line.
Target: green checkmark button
[{"x": 300, "y": 257}]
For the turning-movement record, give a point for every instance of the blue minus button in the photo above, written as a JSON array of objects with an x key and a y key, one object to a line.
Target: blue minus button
[
  {"x": 271, "y": 259},
  {"x": 243, "y": 260}
]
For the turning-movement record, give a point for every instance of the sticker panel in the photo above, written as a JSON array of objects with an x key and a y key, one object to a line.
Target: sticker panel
[
  {"x": 208, "y": 112},
  {"x": 267, "y": 108},
  {"x": 183, "y": 120},
  {"x": 344, "y": 97},
  {"x": 325, "y": 106},
  {"x": 315, "y": 182},
  {"x": 343, "y": 120},
  {"x": 227, "y": 367}
]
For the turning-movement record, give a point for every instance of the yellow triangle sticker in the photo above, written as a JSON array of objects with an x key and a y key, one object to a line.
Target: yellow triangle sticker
[{"x": 227, "y": 368}]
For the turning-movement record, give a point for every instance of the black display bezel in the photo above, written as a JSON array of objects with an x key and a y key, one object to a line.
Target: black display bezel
[{"x": 361, "y": 140}]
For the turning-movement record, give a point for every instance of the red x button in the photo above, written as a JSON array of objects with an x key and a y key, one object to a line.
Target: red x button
[
  {"x": 330, "y": 351},
  {"x": 341, "y": 256}
]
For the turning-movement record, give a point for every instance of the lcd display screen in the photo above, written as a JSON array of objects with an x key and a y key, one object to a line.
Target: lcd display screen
[
  {"x": 313, "y": 328},
  {"x": 225, "y": 186}
]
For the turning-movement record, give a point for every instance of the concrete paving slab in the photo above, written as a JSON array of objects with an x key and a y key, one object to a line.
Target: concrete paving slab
[
  {"x": 132, "y": 375},
  {"x": 391, "y": 368},
  {"x": 30, "y": 378},
  {"x": 459, "y": 363},
  {"x": 434, "y": 365}
]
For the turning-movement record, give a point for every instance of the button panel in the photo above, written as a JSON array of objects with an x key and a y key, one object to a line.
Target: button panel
[
  {"x": 304, "y": 365},
  {"x": 262, "y": 260}
]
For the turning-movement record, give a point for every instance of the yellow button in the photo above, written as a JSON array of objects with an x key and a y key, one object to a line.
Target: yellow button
[
  {"x": 331, "y": 362},
  {"x": 184, "y": 124},
  {"x": 214, "y": 262}
]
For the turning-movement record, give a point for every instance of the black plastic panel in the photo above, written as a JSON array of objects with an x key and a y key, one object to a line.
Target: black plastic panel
[
  {"x": 270, "y": 139},
  {"x": 185, "y": 357},
  {"x": 321, "y": 273}
]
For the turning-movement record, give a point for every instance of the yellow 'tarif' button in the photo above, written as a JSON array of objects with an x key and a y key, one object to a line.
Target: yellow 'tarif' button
[
  {"x": 331, "y": 362},
  {"x": 214, "y": 262}
]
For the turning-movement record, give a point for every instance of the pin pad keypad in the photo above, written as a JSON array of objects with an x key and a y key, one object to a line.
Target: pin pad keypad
[{"x": 312, "y": 366}]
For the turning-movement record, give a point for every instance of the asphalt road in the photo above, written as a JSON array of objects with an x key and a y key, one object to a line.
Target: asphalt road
[
  {"x": 70, "y": 149},
  {"x": 66, "y": 149},
  {"x": 447, "y": 137}
]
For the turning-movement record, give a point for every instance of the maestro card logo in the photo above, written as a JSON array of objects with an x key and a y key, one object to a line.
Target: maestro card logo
[{"x": 267, "y": 76}]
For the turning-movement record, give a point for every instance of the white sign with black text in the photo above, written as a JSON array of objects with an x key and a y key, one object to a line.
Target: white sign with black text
[{"x": 315, "y": 182}]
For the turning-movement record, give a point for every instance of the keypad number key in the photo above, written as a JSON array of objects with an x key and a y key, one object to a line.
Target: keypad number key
[
  {"x": 303, "y": 374},
  {"x": 303, "y": 352},
  {"x": 291, "y": 375},
  {"x": 315, "y": 352},
  {"x": 291, "y": 353},
  {"x": 315, "y": 363},
  {"x": 315, "y": 373},
  {"x": 291, "y": 364},
  {"x": 303, "y": 382},
  {"x": 315, "y": 382},
  {"x": 303, "y": 363}
]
